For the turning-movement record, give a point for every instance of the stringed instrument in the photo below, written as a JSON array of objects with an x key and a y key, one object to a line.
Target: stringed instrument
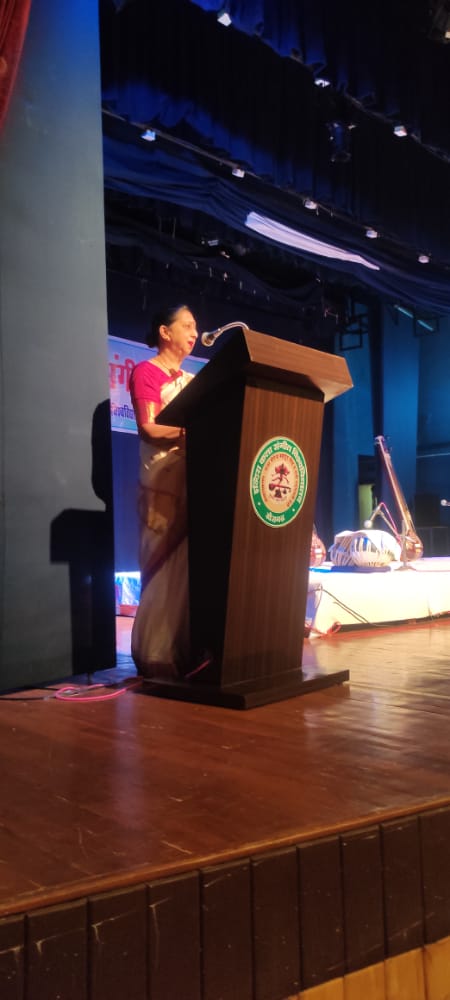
[
  {"x": 412, "y": 547},
  {"x": 318, "y": 550}
]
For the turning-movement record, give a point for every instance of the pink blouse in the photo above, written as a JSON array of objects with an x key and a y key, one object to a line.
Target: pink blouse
[{"x": 146, "y": 382}]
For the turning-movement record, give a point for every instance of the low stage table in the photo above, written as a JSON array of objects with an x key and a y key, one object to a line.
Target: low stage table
[{"x": 348, "y": 598}]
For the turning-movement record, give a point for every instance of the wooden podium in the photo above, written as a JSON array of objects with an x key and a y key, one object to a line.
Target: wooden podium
[{"x": 253, "y": 417}]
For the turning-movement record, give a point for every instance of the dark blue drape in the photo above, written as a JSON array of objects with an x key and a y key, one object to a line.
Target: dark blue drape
[
  {"x": 150, "y": 172},
  {"x": 170, "y": 64}
]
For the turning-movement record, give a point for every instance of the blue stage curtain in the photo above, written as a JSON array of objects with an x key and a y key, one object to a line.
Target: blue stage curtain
[
  {"x": 169, "y": 64},
  {"x": 379, "y": 55},
  {"x": 151, "y": 172}
]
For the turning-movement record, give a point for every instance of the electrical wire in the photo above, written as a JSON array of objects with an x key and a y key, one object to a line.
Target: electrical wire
[
  {"x": 73, "y": 692},
  {"x": 350, "y": 611}
]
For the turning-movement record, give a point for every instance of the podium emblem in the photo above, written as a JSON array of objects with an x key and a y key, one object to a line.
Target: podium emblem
[{"x": 278, "y": 482}]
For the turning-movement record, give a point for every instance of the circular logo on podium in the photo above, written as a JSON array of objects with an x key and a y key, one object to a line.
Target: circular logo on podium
[{"x": 278, "y": 482}]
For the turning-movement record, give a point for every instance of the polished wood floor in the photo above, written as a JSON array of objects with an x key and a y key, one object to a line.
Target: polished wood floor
[{"x": 101, "y": 791}]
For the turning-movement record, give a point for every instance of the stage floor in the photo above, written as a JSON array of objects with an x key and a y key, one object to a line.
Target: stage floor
[
  {"x": 98, "y": 793},
  {"x": 155, "y": 849}
]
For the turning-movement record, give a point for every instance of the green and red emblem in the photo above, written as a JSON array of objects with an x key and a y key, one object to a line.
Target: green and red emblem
[{"x": 278, "y": 482}]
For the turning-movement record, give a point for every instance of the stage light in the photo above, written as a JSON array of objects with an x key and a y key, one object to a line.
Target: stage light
[
  {"x": 149, "y": 135},
  {"x": 371, "y": 234},
  {"x": 417, "y": 321},
  {"x": 238, "y": 172},
  {"x": 400, "y": 131},
  {"x": 321, "y": 81},
  {"x": 291, "y": 237},
  {"x": 423, "y": 258},
  {"x": 224, "y": 18},
  {"x": 404, "y": 312},
  {"x": 310, "y": 204}
]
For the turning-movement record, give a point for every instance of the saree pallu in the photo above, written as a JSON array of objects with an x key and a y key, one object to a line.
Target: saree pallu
[{"x": 160, "y": 636}]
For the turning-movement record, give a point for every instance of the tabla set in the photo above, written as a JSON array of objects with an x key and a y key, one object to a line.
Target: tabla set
[
  {"x": 371, "y": 548},
  {"x": 368, "y": 547}
]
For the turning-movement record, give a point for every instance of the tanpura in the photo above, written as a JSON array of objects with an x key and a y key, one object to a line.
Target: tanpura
[
  {"x": 318, "y": 550},
  {"x": 412, "y": 547}
]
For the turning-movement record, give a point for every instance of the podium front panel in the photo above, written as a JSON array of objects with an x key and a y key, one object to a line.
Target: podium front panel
[
  {"x": 248, "y": 579},
  {"x": 270, "y": 562}
]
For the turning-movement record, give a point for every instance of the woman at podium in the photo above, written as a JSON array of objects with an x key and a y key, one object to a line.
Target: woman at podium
[{"x": 160, "y": 636}]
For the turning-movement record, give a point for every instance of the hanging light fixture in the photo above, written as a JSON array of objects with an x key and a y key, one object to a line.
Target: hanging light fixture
[{"x": 223, "y": 17}]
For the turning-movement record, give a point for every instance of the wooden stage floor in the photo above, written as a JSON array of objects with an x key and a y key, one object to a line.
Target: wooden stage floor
[{"x": 105, "y": 794}]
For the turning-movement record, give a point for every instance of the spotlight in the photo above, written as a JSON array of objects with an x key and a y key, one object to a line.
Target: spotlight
[
  {"x": 224, "y": 18},
  {"x": 423, "y": 258},
  {"x": 427, "y": 324},
  {"x": 149, "y": 135},
  {"x": 400, "y": 131},
  {"x": 310, "y": 204},
  {"x": 210, "y": 241},
  {"x": 238, "y": 172},
  {"x": 321, "y": 81},
  {"x": 371, "y": 234}
]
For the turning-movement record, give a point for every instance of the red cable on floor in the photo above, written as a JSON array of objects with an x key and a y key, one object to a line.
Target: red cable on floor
[{"x": 73, "y": 693}]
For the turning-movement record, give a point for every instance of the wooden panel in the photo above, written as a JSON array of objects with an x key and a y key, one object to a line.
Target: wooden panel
[
  {"x": 208, "y": 578},
  {"x": 435, "y": 839},
  {"x": 226, "y": 933},
  {"x": 118, "y": 945},
  {"x": 275, "y": 925},
  {"x": 174, "y": 933},
  {"x": 57, "y": 953},
  {"x": 402, "y": 875},
  {"x": 269, "y": 566},
  {"x": 11, "y": 958},
  {"x": 321, "y": 911},
  {"x": 404, "y": 976},
  {"x": 363, "y": 899}
]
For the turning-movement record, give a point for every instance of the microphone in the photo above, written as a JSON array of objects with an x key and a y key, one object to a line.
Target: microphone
[
  {"x": 369, "y": 522},
  {"x": 208, "y": 338}
]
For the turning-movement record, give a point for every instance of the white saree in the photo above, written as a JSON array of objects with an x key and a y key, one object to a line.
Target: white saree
[{"x": 160, "y": 636}]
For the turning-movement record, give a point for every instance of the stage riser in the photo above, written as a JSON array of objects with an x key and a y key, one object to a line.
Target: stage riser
[
  {"x": 353, "y": 598},
  {"x": 297, "y": 921}
]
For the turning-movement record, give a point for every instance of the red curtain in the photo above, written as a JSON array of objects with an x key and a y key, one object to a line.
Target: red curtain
[{"x": 14, "y": 16}]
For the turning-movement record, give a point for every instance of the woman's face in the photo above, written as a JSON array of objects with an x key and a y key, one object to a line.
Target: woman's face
[{"x": 182, "y": 334}]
